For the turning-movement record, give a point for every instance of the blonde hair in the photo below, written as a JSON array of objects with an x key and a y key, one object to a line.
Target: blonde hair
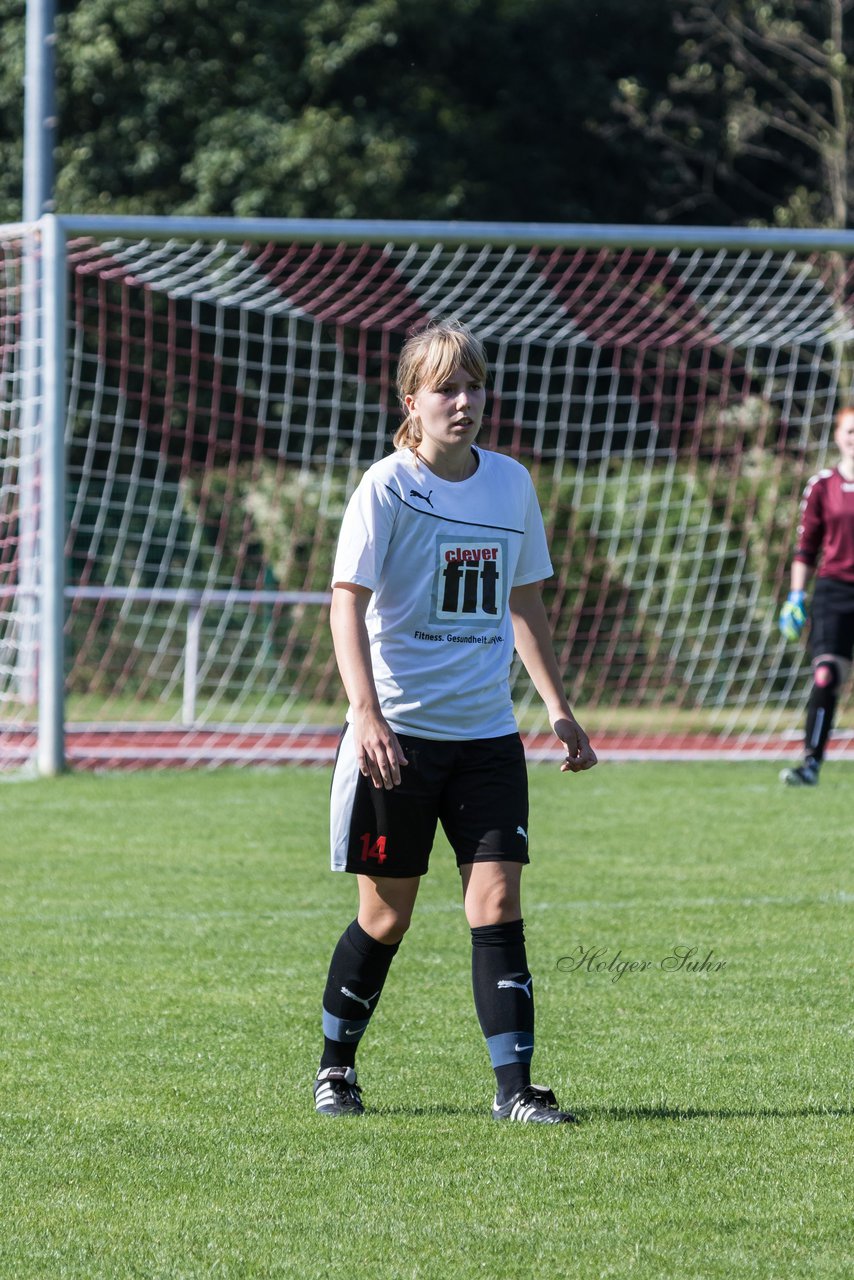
[{"x": 427, "y": 359}]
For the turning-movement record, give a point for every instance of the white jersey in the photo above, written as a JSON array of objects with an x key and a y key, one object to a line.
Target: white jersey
[{"x": 441, "y": 557}]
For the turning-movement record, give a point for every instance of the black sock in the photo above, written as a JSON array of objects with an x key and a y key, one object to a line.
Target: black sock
[
  {"x": 504, "y": 1000},
  {"x": 357, "y": 972},
  {"x": 820, "y": 710}
]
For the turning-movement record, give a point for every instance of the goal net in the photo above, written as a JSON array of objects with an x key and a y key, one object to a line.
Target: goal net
[
  {"x": 18, "y": 522},
  {"x": 223, "y": 398}
]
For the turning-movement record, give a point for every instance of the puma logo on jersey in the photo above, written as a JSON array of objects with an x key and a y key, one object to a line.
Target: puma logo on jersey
[{"x": 424, "y": 497}]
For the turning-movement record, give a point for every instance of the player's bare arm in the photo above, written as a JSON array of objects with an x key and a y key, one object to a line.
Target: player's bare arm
[
  {"x": 378, "y": 751},
  {"x": 800, "y": 575},
  {"x": 533, "y": 640}
]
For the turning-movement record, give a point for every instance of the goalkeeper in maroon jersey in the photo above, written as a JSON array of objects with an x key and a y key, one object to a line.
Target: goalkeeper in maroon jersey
[
  {"x": 825, "y": 540},
  {"x": 436, "y": 582}
]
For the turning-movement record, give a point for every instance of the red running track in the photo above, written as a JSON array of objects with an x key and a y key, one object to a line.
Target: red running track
[{"x": 111, "y": 747}]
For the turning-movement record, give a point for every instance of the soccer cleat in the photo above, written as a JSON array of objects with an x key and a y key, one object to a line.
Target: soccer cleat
[
  {"x": 336, "y": 1092},
  {"x": 802, "y": 775},
  {"x": 533, "y": 1105}
]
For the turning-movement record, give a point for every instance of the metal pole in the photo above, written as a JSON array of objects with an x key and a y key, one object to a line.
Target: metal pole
[
  {"x": 379, "y": 231},
  {"x": 191, "y": 661},
  {"x": 39, "y": 109},
  {"x": 39, "y": 129},
  {"x": 51, "y": 748}
]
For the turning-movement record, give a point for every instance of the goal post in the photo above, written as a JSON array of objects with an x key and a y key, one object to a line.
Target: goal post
[{"x": 210, "y": 391}]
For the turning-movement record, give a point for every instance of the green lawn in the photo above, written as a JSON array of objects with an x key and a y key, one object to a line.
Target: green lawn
[{"x": 165, "y": 939}]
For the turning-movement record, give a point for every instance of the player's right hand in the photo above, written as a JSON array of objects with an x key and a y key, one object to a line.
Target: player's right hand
[
  {"x": 379, "y": 755},
  {"x": 793, "y": 615}
]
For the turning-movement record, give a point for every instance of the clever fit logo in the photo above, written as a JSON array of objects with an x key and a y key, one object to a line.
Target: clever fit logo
[{"x": 469, "y": 583}]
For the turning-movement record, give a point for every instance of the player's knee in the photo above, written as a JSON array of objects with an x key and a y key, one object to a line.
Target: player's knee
[
  {"x": 387, "y": 924},
  {"x": 826, "y": 676},
  {"x": 495, "y": 904},
  {"x": 396, "y": 929}
]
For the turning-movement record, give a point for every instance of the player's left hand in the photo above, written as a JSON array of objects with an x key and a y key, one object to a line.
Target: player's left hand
[
  {"x": 793, "y": 615},
  {"x": 579, "y": 753}
]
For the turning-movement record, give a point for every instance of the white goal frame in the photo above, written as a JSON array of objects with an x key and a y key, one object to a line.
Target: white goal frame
[{"x": 52, "y": 234}]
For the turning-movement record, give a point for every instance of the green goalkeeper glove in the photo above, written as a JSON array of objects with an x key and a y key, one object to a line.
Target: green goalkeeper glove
[{"x": 793, "y": 615}]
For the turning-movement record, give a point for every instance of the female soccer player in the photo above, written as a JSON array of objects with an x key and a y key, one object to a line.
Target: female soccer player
[
  {"x": 826, "y": 538},
  {"x": 437, "y": 576}
]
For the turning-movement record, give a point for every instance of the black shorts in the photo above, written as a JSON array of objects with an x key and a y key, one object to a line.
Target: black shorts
[
  {"x": 477, "y": 789},
  {"x": 832, "y": 619}
]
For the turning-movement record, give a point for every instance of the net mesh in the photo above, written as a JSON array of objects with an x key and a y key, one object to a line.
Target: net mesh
[
  {"x": 224, "y": 399},
  {"x": 19, "y": 449}
]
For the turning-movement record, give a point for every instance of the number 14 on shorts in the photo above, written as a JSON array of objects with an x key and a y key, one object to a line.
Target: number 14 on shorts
[{"x": 372, "y": 848}]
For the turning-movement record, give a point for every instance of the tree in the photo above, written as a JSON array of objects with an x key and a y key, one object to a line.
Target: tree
[
  {"x": 757, "y": 122},
  {"x": 11, "y": 108},
  {"x": 369, "y": 108}
]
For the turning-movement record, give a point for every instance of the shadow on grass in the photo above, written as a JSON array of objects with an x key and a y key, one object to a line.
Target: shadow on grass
[
  {"x": 437, "y": 1109},
  {"x": 710, "y": 1113},
  {"x": 587, "y": 1114}
]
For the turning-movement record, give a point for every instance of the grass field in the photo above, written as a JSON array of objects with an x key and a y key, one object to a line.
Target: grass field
[{"x": 165, "y": 939}]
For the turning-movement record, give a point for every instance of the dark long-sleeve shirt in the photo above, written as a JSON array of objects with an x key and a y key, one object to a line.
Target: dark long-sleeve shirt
[{"x": 826, "y": 526}]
